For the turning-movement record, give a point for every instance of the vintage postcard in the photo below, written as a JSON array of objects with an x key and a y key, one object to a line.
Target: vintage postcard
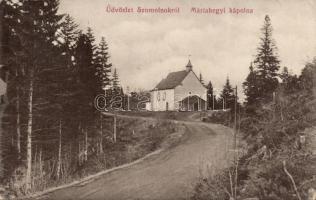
[{"x": 158, "y": 99}]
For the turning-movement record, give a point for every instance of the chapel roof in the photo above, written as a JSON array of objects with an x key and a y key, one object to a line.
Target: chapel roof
[{"x": 172, "y": 80}]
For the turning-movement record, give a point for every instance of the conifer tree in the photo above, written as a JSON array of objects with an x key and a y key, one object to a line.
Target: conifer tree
[
  {"x": 51, "y": 87},
  {"x": 83, "y": 105},
  {"x": 267, "y": 62},
  {"x": 103, "y": 70},
  {"x": 91, "y": 38},
  {"x": 251, "y": 87},
  {"x": 227, "y": 95},
  {"x": 85, "y": 71},
  {"x": 38, "y": 24},
  {"x": 68, "y": 34},
  {"x": 210, "y": 96},
  {"x": 94, "y": 82},
  {"x": 116, "y": 83},
  {"x": 8, "y": 41},
  {"x": 103, "y": 67}
]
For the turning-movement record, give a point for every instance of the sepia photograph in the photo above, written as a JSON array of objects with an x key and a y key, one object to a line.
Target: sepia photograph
[{"x": 158, "y": 99}]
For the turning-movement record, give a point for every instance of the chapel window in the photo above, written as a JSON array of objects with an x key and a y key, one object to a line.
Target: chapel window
[{"x": 164, "y": 96}]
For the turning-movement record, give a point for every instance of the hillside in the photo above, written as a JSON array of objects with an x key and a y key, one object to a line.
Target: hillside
[{"x": 280, "y": 160}]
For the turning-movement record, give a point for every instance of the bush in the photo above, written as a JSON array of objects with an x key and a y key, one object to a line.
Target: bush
[{"x": 212, "y": 187}]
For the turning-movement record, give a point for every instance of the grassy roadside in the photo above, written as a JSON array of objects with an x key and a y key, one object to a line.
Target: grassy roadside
[
  {"x": 136, "y": 139},
  {"x": 280, "y": 159}
]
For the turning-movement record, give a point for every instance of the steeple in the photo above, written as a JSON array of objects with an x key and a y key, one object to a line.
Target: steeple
[{"x": 189, "y": 66}]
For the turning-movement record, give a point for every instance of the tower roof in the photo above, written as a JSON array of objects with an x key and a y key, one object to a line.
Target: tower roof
[{"x": 189, "y": 64}]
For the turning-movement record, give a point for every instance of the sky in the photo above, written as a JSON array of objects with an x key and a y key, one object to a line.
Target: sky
[{"x": 145, "y": 47}]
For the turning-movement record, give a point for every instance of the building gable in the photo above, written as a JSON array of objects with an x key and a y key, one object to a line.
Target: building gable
[
  {"x": 190, "y": 85},
  {"x": 191, "y": 80}
]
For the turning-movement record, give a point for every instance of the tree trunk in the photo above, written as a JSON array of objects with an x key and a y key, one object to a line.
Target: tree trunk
[
  {"x": 86, "y": 145},
  {"x": 281, "y": 110},
  {"x": 28, "y": 178},
  {"x": 35, "y": 158},
  {"x": 101, "y": 134},
  {"x": 40, "y": 163},
  {"x": 114, "y": 129},
  {"x": 79, "y": 152},
  {"x": 18, "y": 127},
  {"x": 59, "y": 152},
  {"x": 79, "y": 146}
]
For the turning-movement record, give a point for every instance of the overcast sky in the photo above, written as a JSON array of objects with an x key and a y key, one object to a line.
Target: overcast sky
[{"x": 146, "y": 47}]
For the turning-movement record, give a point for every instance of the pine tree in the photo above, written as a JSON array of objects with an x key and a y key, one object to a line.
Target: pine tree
[
  {"x": 51, "y": 88},
  {"x": 94, "y": 82},
  {"x": 210, "y": 96},
  {"x": 227, "y": 95},
  {"x": 5, "y": 56},
  {"x": 85, "y": 72},
  {"x": 116, "y": 88},
  {"x": 88, "y": 89},
  {"x": 68, "y": 31},
  {"x": 103, "y": 67},
  {"x": 84, "y": 59},
  {"x": 267, "y": 62},
  {"x": 67, "y": 85},
  {"x": 91, "y": 38},
  {"x": 36, "y": 28},
  {"x": 68, "y": 34},
  {"x": 251, "y": 87}
]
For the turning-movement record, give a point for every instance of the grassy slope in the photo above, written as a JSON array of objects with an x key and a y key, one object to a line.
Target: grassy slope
[
  {"x": 136, "y": 139},
  {"x": 274, "y": 136}
]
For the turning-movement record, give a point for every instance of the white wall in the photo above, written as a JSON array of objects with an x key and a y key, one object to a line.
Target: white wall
[
  {"x": 190, "y": 85},
  {"x": 159, "y": 99}
]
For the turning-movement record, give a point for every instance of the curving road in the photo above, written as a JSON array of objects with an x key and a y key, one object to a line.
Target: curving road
[{"x": 170, "y": 174}]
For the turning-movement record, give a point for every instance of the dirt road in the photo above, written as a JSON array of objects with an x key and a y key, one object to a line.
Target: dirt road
[{"x": 168, "y": 175}]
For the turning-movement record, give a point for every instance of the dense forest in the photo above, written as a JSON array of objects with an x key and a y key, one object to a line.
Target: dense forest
[{"x": 50, "y": 127}]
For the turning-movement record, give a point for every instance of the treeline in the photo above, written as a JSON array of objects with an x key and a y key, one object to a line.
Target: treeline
[
  {"x": 279, "y": 162},
  {"x": 54, "y": 71},
  {"x": 226, "y": 98}
]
